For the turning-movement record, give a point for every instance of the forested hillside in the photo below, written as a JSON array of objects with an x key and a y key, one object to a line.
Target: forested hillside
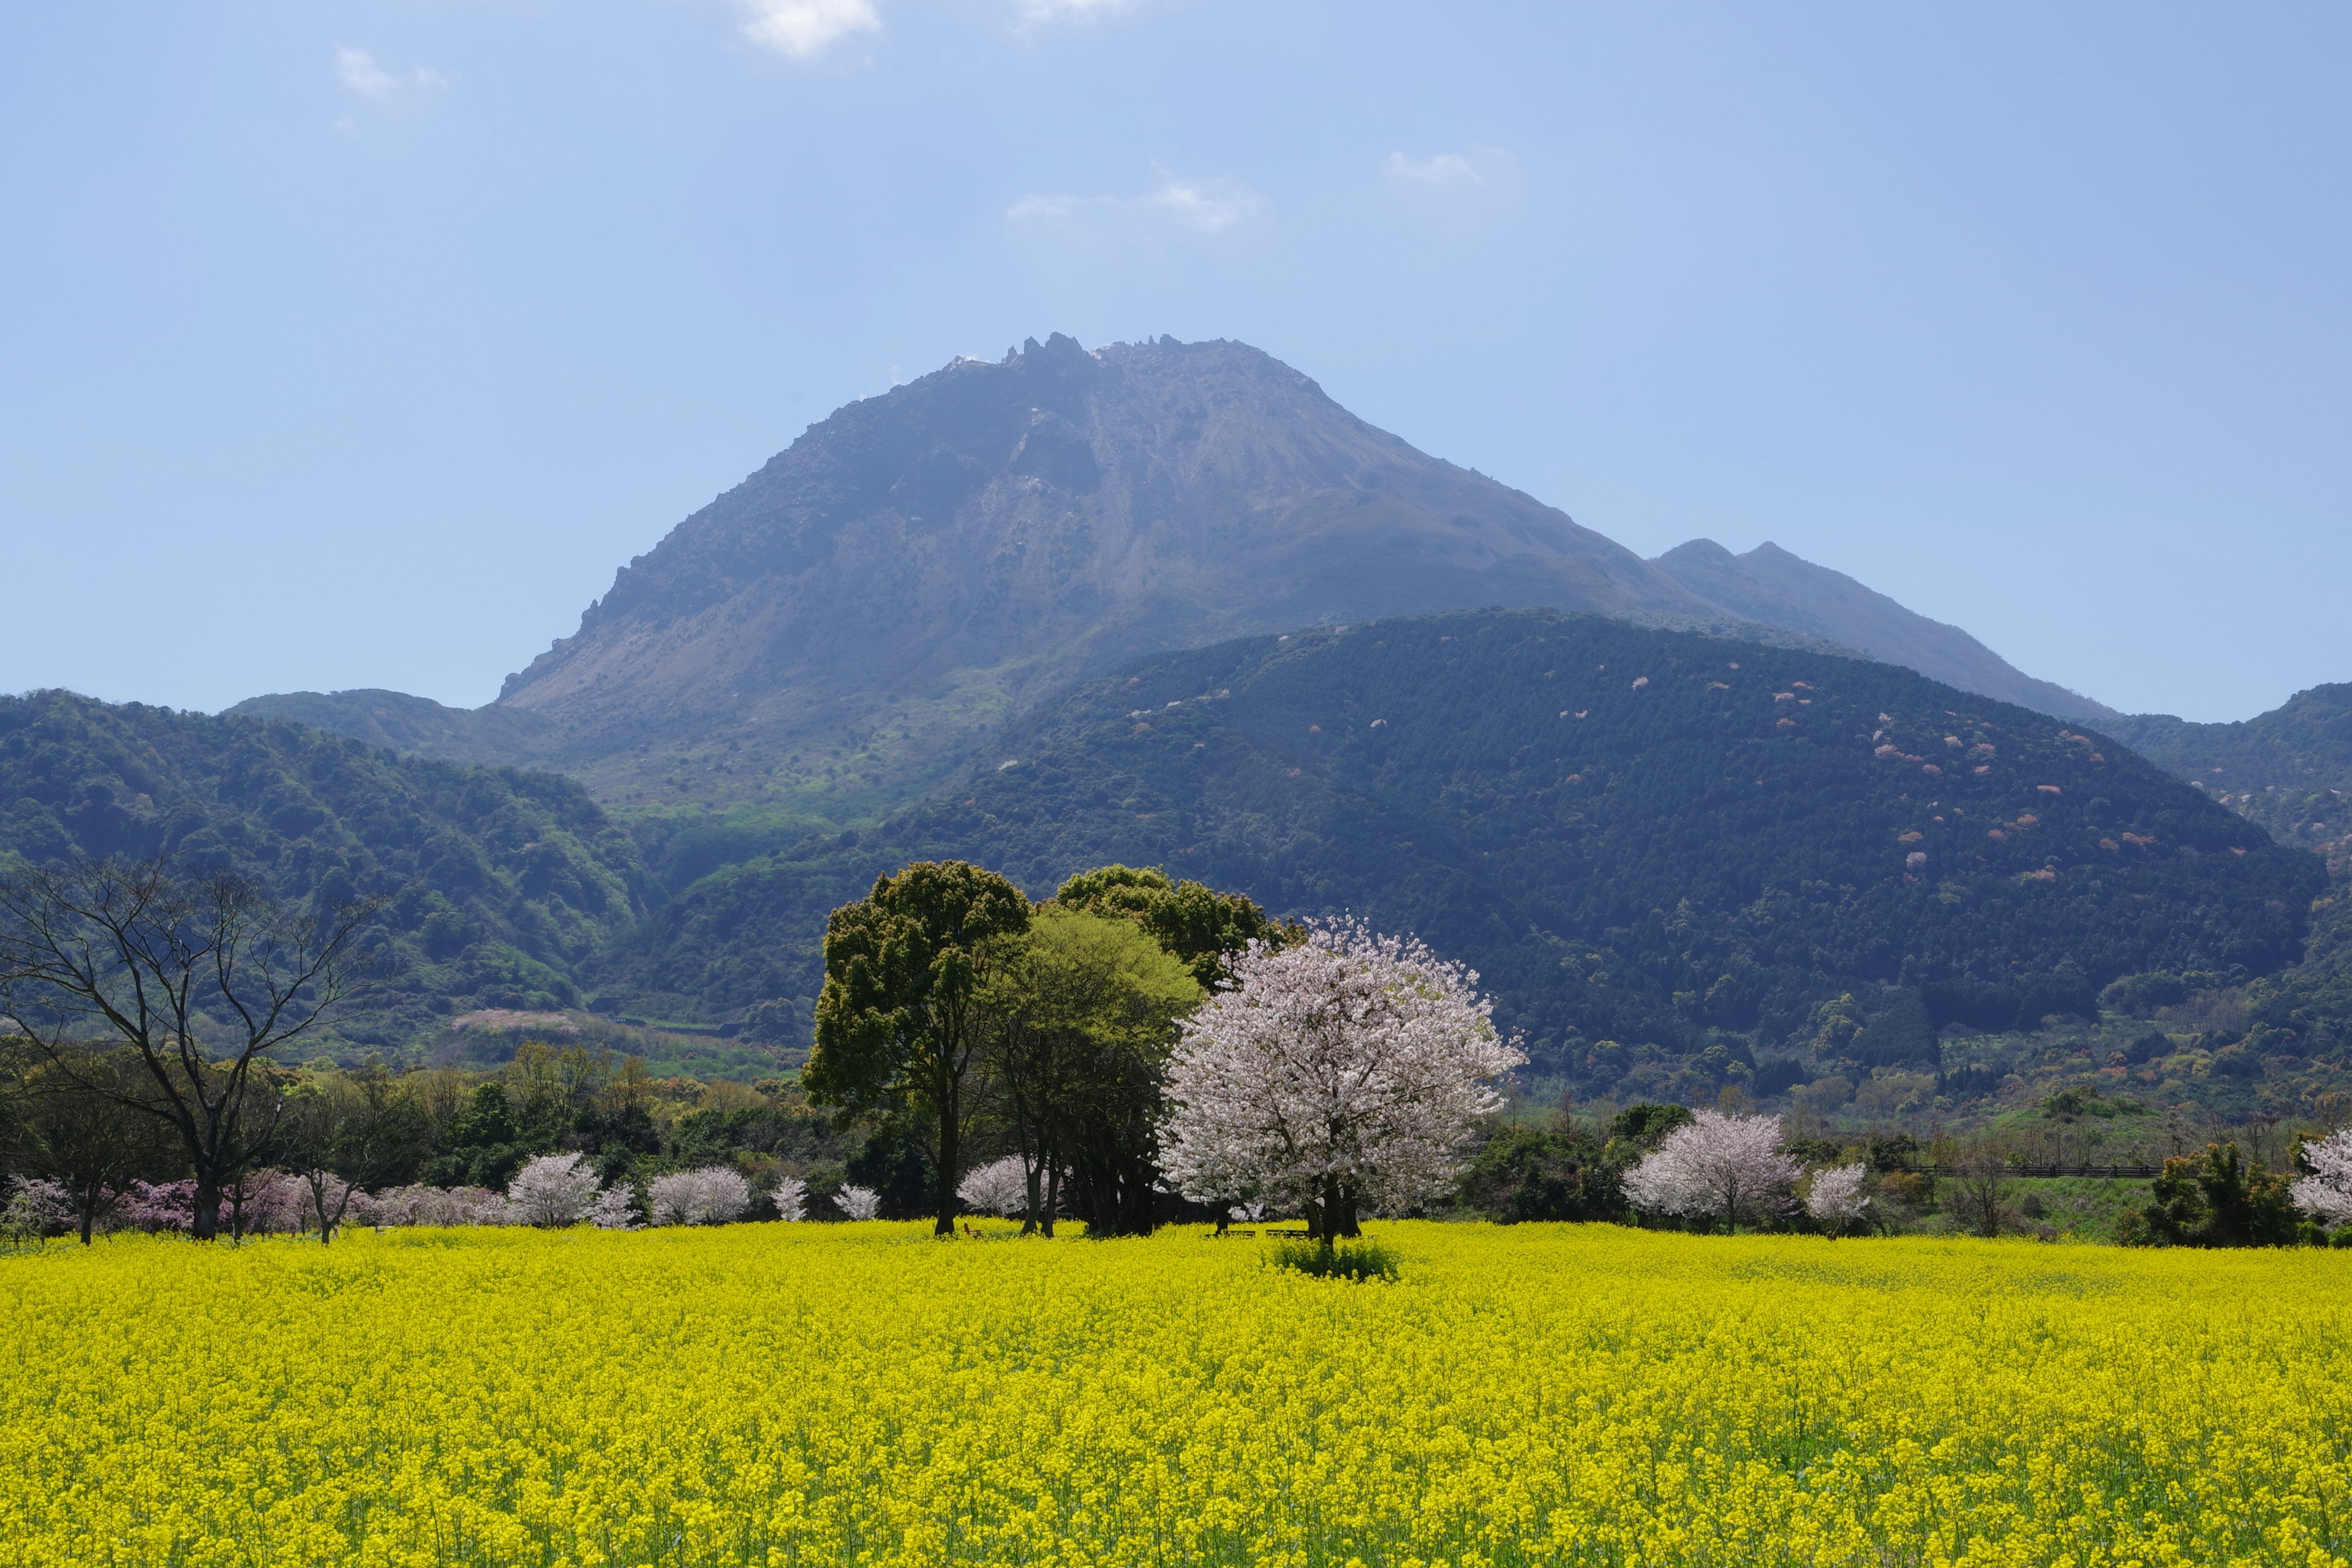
[
  {"x": 501, "y": 880},
  {"x": 2289, "y": 769},
  {"x": 1666, "y": 851}
]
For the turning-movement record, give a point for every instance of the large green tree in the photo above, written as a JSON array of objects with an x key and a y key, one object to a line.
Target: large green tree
[
  {"x": 1080, "y": 1013},
  {"x": 898, "y": 1020}
]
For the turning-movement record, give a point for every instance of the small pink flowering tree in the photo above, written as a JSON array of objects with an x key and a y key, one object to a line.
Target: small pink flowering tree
[
  {"x": 1717, "y": 1167},
  {"x": 1835, "y": 1199}
]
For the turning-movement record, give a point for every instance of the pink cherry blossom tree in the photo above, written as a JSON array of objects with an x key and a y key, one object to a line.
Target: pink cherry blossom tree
[
  {"x": 999, "y": 1187},
  {"x": 552, "y": 1191},
  {"x": 1344, "y": 1072},
  {"x": 1835, "y": 1198},
  {"x": 1715, "y": 1166},
  {"x": 714, "y": 1195},
  {"x": 2325, "y": 1195}
]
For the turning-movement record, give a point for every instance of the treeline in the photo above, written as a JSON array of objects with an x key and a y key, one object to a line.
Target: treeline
[{"x": 974, "y": 1050}]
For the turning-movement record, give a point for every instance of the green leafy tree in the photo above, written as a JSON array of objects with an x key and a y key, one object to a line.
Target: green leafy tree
[
  {"x": 898, "y": 1020},
  {"x": 1530, "y": 1173},
  {"x": 1191, "y": 920},
  {"x": 2216, "y": 1199},
  {"x": 1081, "y": 1012}
]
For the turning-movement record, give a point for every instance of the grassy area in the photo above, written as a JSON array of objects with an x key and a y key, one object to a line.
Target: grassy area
[{"x": 863, "y": 1394}]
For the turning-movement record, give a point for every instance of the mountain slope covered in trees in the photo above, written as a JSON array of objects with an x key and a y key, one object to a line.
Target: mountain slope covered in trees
[
  {"x": 1675, "y": 843},
  {"x": 501, "y": 880},
  {"x": 2289, "y": 769}
]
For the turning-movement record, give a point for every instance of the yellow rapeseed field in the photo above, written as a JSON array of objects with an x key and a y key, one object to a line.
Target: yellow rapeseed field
[{"x": 863, "y": 1394}]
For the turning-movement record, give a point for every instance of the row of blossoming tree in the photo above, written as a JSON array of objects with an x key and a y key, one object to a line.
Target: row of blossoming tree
[{"x": 1129, "y": 1042}]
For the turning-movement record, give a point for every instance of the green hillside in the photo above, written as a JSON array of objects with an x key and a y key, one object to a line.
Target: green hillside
[
  {"x": 1686, "y": 848},
  {"x": 504, "y": 880},
  {"x": 2289, "y": 769}
]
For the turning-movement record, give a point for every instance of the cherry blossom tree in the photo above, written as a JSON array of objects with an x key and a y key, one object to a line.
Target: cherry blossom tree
[
  {"x": 615, "y": 1208},
  {"x": 1715, "y": 1166},
  {"x": 36, "y": 1207},
  {"x": 791, "y": 1198},
  {"x": 714, "y": 1195},
  {"x": 554, "y": 1190},
  {"x": 1345, "y": 1071},
  {"x": 999, "y": 1188},
  {"x": 859, "y": 1202},
  {"x": 1836, "y": 1198},
  {"x": 423, "y": 1206},
  {"x": 2325, "y": 1195}
]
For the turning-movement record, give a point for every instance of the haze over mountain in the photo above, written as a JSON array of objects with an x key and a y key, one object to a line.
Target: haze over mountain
[{"x": 922, "y": 566}]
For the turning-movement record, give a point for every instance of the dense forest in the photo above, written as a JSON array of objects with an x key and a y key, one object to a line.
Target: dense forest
[
  {"x": 499, "y": 881},
  {"x": 2290, "y": 769},
  {"x": 1668, "y": 853}
]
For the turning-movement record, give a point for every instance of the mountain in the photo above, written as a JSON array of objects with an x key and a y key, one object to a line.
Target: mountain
[
  {"x": 923, "y": 563},
  {"x": 869, "y": 610},
  {"x": 1656, "y": 844},
  {"x": 2289, "y": 769},
  {"x": 1775, "y": 589},
  {"x": 922, "y": 566},
  {"x": 502, "y": 880}
]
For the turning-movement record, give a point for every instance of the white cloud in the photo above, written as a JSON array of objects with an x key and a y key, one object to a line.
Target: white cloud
[
  {"x": 801, "y": 28},
  {"x": 1198, "y": 206},
  {"x": 1060, "y": 10},
  {"x": 362, "y": 75},
  {"x": 1440, "y": 170},
  {"x": 1460, "y": 193},
  {"x": 1207, "y": 207}
]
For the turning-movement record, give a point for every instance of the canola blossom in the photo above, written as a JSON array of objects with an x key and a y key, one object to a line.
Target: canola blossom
[{"x": 865, "y": 1395}]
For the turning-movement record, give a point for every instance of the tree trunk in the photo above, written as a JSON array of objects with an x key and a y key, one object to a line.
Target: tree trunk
[
  {"x": 1053, "y": 1202},
  {"x": 205, "y": 1225},
  {"x": 951, "y": 1156},
  {"x": 1348, "y": 1227}
]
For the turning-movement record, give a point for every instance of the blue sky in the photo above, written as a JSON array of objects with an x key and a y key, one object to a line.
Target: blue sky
[{"x": 357, "y": 345}]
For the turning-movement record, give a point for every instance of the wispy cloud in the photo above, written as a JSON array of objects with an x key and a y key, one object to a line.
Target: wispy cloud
[
  {"x": 361, "y": 74},
  {"x": 801, "y": 28},
  {"x": 1459, "y": 193},
  {"x": 1176, "y": 206},
  {"x": 1483, "y": 169},
  {"x": 1068, "y": 10}
]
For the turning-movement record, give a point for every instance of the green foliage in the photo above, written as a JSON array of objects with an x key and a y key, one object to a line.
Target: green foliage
[
  {"x": 2290, "y": 770},
  {"x": 1695, "y": 854},
  {"x": 502, "y": 882},
  {"x": 2215, "y": 1199},
  {"x": 1643, "y": 1125},
  {"x": 1194, "y": 923},
  {"x": 1352, "y": 1260},
  {"x": 898, "y": 1021},
  {"x": 1522, "y": 1173},
  {"x": 1079, "y": 1012}
]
